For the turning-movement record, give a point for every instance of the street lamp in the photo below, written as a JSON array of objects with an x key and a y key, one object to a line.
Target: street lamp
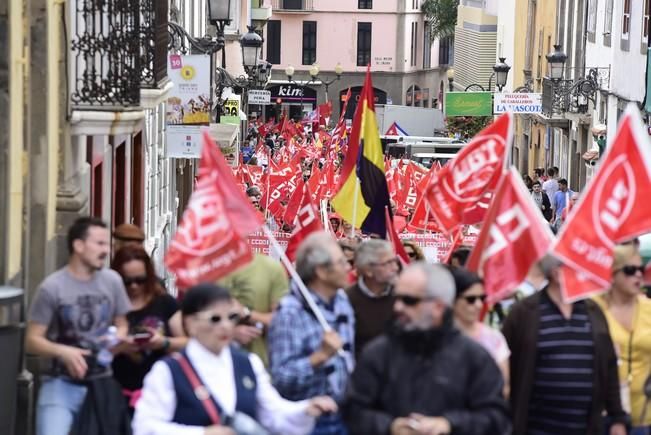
[
  {"x": 251, "y": 44},
  {"x": 219, "y": 12},
  {"x": 501, "y": 71},
  {"x": 450, "y": 75},
  {"x": 314, "y": 73},
  {"x": 556, "y": 61}
]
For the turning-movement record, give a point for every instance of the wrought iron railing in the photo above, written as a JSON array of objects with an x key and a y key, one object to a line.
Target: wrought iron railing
[
  {"x": 106, "y": 49},
  {"x": 292, "y": 5},
  {"x": 154, "y": 41},
  {"x": 574, "y": 94}
]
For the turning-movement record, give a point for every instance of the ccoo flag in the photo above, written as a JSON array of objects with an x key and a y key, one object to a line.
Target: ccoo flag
[{"x": 363, "y": 193}]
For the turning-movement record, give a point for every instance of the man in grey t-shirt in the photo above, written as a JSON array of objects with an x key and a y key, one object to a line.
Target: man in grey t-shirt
[{"x": 72, "y": 310}]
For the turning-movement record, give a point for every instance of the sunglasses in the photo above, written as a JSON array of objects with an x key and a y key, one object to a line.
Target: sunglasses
[
  {"x": 631, "y": 270},
  {"x": 411, "y": 301},
  {"x": 472, "y": 299},
  {"x": 134, "y": 280},
  {"x": 217, "y": 318}
]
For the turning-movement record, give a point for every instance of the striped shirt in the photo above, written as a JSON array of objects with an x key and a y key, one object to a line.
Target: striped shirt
[{"x": 562, "y": 392}]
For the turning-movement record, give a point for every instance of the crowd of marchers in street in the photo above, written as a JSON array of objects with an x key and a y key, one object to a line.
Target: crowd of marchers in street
[{"x": 409, "y": 349}]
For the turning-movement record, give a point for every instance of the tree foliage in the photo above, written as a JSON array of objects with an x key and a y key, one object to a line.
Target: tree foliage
[
  {"x": 467, "y": 126},
  {"x": 441, "y": 16}
]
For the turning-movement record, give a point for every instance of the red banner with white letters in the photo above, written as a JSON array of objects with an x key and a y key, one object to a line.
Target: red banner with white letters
[
  {"x": 614, "y": 207},
  {"x": 514, "y": 236},
  {"x": 459, "y": 193}
]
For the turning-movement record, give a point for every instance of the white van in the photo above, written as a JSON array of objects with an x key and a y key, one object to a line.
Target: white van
[{"x": 427, "y": 148}]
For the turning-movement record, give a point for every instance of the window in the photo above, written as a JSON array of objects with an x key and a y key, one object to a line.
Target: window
[
  {"x": 427, "y": 48},
  {"x": 592, "y": 19},
  {"x": 364, "y": 4},
  {"x": 608, "y": 22},
  {"x": 531, "y": 35},
  {"x": 273, "y": 41},
  {"x": 309, "y": 42},
  {"x": 645, "y": 22},
  {"x": 626, "y": 19},
  {"x": 444, "y": 51},
  {"x": 363, "y": 44},
  {"x": 414, "y": 43}
]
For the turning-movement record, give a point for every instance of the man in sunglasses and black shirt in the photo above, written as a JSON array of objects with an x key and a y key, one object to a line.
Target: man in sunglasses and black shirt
[{"x": 424, "y": 376}]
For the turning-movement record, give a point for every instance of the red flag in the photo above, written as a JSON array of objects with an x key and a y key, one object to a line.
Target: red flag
[
  {"x": 513, "y": 237},
  {"x": 307, "y": 221},
  {"x": 395, "y": 240},
  {"x": 209, "y": 242},
  {"x": 456, "y": 191},
  {"x": 457, "y": 238},
  {"x": 614, "y": 207},
  {"x": 238, "y": 207},
  {"x": 295, "y": 203}
]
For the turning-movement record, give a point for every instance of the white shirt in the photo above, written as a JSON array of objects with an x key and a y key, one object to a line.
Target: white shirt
[
  {"x": 550, "y": 187},
  {"x": 156, "y": 407}
]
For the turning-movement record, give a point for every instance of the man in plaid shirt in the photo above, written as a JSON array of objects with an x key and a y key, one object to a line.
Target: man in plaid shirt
[{"x": 304, "y": 360}]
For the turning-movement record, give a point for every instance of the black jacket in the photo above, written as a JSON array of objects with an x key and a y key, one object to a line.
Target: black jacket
[
  {"x": 457, "y": 380},
  {"x": 521, "y": 332},
  {"x": 104, "y": 411}
]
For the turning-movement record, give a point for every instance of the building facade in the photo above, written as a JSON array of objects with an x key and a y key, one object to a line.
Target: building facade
[{"x": 390, "y": 36}]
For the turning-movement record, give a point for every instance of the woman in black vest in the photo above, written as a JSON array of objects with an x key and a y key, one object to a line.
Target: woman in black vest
[{"x": 214, "y": 388}]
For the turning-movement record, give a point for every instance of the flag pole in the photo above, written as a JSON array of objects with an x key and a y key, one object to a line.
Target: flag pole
[
  {"x": 352, "y": 226},
  {"x": 305, "y": 293},
  {"x": 268, "y": 193}
]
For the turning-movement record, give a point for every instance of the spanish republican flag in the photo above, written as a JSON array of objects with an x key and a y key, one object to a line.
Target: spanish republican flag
[{"x": 363, "y": 193}]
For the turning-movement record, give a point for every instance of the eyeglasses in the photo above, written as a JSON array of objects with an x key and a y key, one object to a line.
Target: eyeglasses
[
  {"x": 631, "y": 270},
  {"x": 411, "y": 301},
  {"x": 217, "y": 318},
  {"x": 134, "y": 280},
  {"x": 386, "y": 263},
  {"x": 474, "y": 298}
]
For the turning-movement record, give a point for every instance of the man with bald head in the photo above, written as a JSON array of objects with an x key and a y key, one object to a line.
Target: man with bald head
[{"x": 424, "y": 376}]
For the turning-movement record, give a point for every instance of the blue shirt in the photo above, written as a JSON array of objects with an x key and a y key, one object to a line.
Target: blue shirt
[
  {"x": 294, "y": 334},
  {"x": 560, "y": 201}
]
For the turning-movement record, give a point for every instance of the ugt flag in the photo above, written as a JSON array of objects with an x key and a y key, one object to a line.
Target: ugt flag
[
  {"x": 209, "y": 242},
  {"x": 460, "y": 192},
  {"x": 513, "y": 237},
  {"x": 614, "y": 207}
]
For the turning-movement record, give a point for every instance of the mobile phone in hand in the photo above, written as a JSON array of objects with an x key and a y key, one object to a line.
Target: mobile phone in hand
[{"x": 142, "y": 337}]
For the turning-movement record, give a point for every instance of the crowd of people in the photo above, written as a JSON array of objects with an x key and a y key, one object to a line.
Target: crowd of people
[
  {"x": 552, "y": 195},
  {"x": 406, "y": 351}
]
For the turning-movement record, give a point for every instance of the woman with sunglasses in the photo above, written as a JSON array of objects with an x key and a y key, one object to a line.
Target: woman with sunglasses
[
  {"x": 154, "y": 322},
  {"x": 628, "y": 312},
  {"x": 214, "y": 388},
  {"x": 470, "y": 299}
]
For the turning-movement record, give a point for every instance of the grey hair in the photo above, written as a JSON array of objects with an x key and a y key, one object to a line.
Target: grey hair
[
  {"x": 312, "y": 253},
  {"x": 439, "y": 283},
  {"x": 548, "y": 265},
  {"x": 370, "y": 250}
]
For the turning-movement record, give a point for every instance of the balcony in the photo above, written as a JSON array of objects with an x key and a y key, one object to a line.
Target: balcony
[
  {"x": 293, "y": 6},
  {"x": 153, "y": 44},
  {"x": 573, "y": 95},
  {"x": 106, "y": 61}
]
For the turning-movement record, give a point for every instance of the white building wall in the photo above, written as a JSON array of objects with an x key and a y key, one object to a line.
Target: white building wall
[
  {"x": 627, "y": 73},
  {"x": 506, "y": 34}
]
